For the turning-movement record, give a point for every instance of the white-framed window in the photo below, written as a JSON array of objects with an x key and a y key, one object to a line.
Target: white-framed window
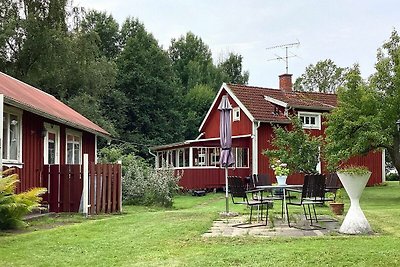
[
  {"x": 51, "y": 144},
  {"x": 73, "y": 147},
  {"x": 310, "y": 120},
  {"x": 241, "y": 155},
  {"x": 214, "y": 156},
  {"x": 202, "y": 156},
  {"x": 236, "y": 114},
  {"x": 12, "y": 135}
]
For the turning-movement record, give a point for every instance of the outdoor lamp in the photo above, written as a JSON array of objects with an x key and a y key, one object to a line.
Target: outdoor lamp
[{"x": 398, "y": 125}]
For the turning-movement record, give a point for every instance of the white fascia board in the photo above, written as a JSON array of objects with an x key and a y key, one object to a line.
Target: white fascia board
[
  {"x": 231, "y": 94},
  {"x": 276, "y": 101},
  {"x": 216, "y": 138}
]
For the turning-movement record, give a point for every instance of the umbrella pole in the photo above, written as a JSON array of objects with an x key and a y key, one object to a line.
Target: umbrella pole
[{"x": 226, "y": 190}]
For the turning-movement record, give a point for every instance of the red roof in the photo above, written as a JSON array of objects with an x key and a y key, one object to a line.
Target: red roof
[
  {"x": 29, "y": 98},
  {"x": 253, "y": 98}
]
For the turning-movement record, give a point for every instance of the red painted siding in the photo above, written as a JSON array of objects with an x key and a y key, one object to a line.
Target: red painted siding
[
  {"x": 265, "y": 133},
  {"x": 211, "y": 127},
  {"x": 33, "y": 146},
  {"x": 201, "y": 178}
]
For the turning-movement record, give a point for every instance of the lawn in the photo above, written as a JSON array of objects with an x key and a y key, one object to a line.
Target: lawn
[{"x": 172, "y": 237}]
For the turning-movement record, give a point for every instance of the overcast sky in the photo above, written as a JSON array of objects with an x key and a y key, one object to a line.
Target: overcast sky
[{"x": 347, "y": 32}]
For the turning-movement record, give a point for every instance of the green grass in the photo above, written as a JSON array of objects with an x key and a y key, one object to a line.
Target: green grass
[{"x": 172, "y": 237}]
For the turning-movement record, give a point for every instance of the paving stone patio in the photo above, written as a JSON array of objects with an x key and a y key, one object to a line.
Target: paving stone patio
[{"x": 239, "y": 226}]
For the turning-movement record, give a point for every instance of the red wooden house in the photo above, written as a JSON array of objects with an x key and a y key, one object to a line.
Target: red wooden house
[
  {"x": 38, "y": 129},
  {"x": 255, "y": 111}
]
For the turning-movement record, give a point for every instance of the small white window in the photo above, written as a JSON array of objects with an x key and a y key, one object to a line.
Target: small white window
[
  {"x": 310, "y": 120},
  {"x": 236, "y": 114},
  {"x": 74, "y": 147},
  {"x": 202, "y": 157},
  {"x": 51, "y": 144},
  {"x": 12, "y": 135}
]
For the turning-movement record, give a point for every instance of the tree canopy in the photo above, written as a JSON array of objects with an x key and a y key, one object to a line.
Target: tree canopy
[
  {"x": 366, "y": 116},
  {"x": 116, "y": 75},
  {"x": 295, "y": 147},
  {"x": 325, "y": 77}
]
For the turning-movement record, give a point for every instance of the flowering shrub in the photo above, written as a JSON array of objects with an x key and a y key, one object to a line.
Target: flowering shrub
[{"x": 280, "y": 168}]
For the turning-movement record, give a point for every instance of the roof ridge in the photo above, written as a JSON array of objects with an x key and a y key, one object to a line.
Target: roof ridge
[{"x": 250, "y": 86}]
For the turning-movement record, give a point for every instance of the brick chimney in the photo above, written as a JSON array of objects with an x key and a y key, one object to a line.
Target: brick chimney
[{"x": 285, "y": 82}]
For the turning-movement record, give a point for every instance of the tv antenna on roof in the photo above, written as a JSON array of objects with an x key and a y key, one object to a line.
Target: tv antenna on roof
[{"x": 287, "y": 56}]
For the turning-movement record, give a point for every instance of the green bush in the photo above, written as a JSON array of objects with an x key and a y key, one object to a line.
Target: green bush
[
  {"x": 392, "y": 177},
  {"x": 13, "y": 207},
  {"x": 142, "y": 184}
]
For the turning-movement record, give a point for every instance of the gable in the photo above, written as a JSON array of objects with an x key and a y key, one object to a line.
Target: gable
[{"x": 235, "y": 102}]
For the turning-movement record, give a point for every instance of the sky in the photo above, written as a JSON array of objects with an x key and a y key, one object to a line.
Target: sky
[{"x": 345, "y": 31}]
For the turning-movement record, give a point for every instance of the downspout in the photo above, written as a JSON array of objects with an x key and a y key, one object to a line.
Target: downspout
[{"x": 254, "y": 136}]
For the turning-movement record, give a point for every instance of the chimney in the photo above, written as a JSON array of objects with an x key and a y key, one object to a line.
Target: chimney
[{"x": 285, "y": 82}]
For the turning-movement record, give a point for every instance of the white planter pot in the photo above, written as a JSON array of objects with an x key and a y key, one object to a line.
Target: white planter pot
[
  {"x": 355, "y": 221},
  {"x": 281, "y": 179}
]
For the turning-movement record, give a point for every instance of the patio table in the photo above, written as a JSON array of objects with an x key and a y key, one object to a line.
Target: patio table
[{"x": 283, "y": 187}]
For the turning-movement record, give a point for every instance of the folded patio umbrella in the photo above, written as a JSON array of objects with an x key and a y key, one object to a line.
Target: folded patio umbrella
[{"x": 226, "y": 156}]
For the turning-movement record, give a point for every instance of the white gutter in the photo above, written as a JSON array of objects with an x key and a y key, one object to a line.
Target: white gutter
[{"x": 254, "y": 143}]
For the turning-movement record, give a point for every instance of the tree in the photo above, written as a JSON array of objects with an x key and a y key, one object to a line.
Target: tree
[
  {"x": 365, "y": 119},
  {"x": 197, "y": 102},
  {"x": 324, "y": 77},
  {"x": 231, "y": 68},
  {"x": 147, "y": 79},
  {"x": 192, "y": 61},
  {"x": 298, "y": 149},
  {"x": 107, "y": 30}
]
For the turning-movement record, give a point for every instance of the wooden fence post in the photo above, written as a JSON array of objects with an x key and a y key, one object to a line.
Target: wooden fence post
[
  {"x": 119, "y": 168},
  {"x": 85, "y": 190}
]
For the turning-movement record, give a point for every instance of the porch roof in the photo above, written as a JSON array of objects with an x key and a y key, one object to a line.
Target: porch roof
[
  {"x": 29, "y": 98},
  {"x": 195, "y": 142}
]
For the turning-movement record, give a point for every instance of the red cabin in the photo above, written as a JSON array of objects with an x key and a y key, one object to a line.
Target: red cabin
[
  {"x": 38, "y": 129},
  {"x": 255, "y": 111}
]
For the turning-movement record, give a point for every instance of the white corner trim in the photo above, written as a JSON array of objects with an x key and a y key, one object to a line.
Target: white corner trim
[
  {"x": 254, "y": 150},
  {"x": 231, "y": 94},
  {"x": 276, "y": 101}
]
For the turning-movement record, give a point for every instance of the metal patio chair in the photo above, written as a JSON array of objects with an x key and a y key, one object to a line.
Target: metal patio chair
[
  {"x": 312, "y": 193},
  {"x": 265, "y": 179},
  {"x": 332, "y": 185},
  {"x": 239, "y": 194}
]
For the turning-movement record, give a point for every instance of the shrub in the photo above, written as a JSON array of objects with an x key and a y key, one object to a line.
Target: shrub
[
  {"x": 141, "y": 184},
  {"x": 392, "y": 177},
  {"x": 14, "y": 206}
]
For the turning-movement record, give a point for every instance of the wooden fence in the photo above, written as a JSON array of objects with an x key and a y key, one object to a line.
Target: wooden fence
[{"x": 65, "y": 187}]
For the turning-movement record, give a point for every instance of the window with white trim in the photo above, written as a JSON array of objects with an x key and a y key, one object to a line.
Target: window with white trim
[
  {"x": 74, "y": 147},
  {"x": 12, "y": 135},
  {"x": 51, "y": 144},
  {"x": 236, "y": 114},
  {"x": 241, "y": 155},
  {"x": 310, "y": 120}
]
